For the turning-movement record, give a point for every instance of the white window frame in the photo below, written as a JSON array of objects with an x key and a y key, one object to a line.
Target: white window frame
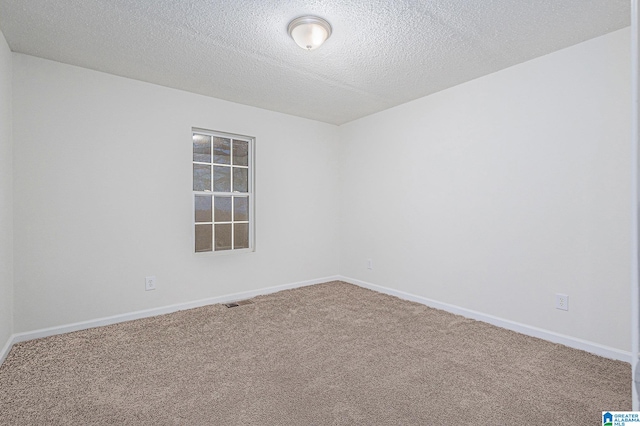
[{"x": 250, "y": 194}]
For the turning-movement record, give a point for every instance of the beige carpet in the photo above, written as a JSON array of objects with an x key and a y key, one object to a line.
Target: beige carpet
[{"x": 329, "y": 354}]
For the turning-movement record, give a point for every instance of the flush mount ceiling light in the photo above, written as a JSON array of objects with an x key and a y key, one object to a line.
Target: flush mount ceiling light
[{"x": 309, "y": 32}]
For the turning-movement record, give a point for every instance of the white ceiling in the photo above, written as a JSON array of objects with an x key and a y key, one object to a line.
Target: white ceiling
[{"x": 382, "y": 52}]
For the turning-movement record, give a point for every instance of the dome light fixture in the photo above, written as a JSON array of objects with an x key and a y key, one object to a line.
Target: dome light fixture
[{"x": 309, "y": 32}]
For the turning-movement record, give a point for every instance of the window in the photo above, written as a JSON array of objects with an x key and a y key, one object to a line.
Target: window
[{"x": 222, "y": 192}]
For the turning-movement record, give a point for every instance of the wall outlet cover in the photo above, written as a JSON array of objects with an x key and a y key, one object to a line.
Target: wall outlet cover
[
  {"x": 150, "y": 283},
  {"x": 562, "y": 302}
]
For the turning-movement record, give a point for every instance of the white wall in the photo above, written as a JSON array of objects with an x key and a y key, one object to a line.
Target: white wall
[
  {"x": 496, "y": 194},
  {"x": 492, "y": 196},
  {"x": 6, "y": 196},
  {"x": 103, "y": 196}
]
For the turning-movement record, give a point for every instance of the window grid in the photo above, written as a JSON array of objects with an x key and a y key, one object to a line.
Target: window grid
[{"x": 237, "y": 223}]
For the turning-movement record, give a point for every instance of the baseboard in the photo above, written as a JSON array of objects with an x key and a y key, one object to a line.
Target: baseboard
[
  {"x": 551, "y": 336},
  {"x": 99, "y": 322},
  {"x": 572, "y": 342},
  {"x": 5, "y": 350}
]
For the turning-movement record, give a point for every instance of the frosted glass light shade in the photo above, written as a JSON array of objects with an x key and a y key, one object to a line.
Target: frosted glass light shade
[{"x": 309, "y": 32}]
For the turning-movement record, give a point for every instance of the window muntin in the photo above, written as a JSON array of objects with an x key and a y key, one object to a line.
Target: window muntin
[{"x": 223, "y": 191}]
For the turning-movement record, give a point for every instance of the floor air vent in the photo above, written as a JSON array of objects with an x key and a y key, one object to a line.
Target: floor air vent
[{"x": 238, "y": 303}]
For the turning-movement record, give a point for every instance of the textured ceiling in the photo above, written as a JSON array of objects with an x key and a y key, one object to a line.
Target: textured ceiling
[{"x": 382, "y": 52}]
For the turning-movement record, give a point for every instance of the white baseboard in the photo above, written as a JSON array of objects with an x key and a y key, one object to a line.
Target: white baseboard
[
  {"x": 528, "y": 330},
  {"x": 5, "y": 349},
  {"x": 99, "y": 322},
  {"x": 572, "y": 342}
]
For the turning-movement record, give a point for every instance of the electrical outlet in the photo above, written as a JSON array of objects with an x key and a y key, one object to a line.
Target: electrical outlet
[
  {"x": 150, "y": 283},
  {"x": 562, "y": 302},
  {"x": 369, "y": 264}
]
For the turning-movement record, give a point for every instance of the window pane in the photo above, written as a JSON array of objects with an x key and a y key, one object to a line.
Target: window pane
[
  {"x": 221, "y": 184},
  {"x": 223, "y": 237},
  {"x": 240, "y": 179},
  {"x": 201, "y": 148},
  {"x": 201, "y": 177},
  {"x": 240, "y": 208},
  {"x": 240, "y": 153},
  {"x": 203, "y": 208},
  {"x": 241, "y": 235},
  {"x": 203, "y": 237},
  {"x": 222, "y": 179},
  {"x": 221, "y": 150},
  {"x": 223, "y": 209}
]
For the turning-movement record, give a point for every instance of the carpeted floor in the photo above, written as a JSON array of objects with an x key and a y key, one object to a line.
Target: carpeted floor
[{"x": 329, "y": 354}]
